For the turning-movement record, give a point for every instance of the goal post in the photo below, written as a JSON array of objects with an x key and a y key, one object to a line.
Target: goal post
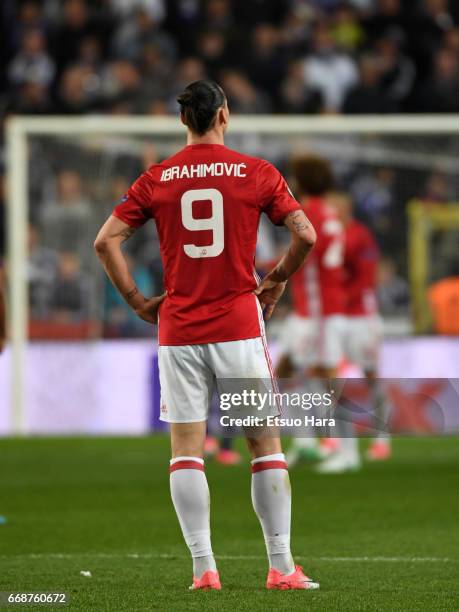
[
  {"x": 424, "y": 221},
  {"x": 17, "y": 175},
  {"x": 409, "y": 146}
]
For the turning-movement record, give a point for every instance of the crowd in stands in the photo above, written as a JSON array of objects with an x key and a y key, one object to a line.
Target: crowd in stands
[{"x": 289, "y": 56}]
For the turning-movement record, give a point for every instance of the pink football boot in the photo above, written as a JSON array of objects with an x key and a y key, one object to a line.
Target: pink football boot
[
  {"x": 282, "y": 582},
  {"x": 209, "y": 581},
  {"x": 379, "y": 450}
]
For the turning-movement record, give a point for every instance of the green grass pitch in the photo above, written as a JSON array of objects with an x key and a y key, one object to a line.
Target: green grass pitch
[{"x": 383, "y": 539}]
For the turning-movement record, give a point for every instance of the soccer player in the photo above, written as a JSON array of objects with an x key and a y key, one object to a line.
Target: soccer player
[
  {"x": 314, "y": 334},
  {"x": 206, "y": 201},
  {"x": 364, "y": 325}
]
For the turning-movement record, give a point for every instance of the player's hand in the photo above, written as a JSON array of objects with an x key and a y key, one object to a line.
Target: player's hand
[
  {"x": 148, "y": 310},
  {"x": 269, "y": 293}
]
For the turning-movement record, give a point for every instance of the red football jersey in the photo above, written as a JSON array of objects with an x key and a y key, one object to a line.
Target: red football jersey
[
  {"x": 206, "y": 201},
  {"x": 318, "y": 287},
  {"x": 361, "y": 258}
]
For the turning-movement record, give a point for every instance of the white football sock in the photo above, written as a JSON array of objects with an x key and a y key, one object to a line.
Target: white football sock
[
  {"x": 349, "y": 449},
  {"x": 271, "y": 498},
  {"x": 304, "y": 443},
  {"x": 190, "y": 495}
]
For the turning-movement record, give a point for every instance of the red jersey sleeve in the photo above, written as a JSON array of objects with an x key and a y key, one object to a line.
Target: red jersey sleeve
[
  {"x": 135, "y": 208},
  {"x": 275, "y": 197}
]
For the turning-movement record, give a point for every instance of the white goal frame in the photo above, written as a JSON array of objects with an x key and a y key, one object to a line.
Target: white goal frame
[{"x": 19, "y": 128}]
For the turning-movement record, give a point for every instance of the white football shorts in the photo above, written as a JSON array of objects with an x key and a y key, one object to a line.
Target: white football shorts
[
  {"x": 314, "y": 341},
  {"x": 363, "y": 340},
  {"x": 188, "y": 375}
]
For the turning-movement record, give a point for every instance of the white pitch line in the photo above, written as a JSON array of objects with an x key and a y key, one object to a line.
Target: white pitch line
[{"x": 166, "y": 556}]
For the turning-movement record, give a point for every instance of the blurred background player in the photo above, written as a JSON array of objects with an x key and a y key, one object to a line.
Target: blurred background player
[
  {"x": 222, "y": 450},
  {"x": 313, "y": 338},
  {"x": 312, "y": 334},
  {"x": 363, "y": 323}
]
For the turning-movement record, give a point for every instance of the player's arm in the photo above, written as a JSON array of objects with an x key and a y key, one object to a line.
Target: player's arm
[
  {"x": 2, "y": 318},
  {"x": 108, "y": 247},
  {"x": 303, "y": 238}
]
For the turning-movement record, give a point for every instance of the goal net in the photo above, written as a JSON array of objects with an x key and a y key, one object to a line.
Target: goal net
[{"x": 66, "y": 174}]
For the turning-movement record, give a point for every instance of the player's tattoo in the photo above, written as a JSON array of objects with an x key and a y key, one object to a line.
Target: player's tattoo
[
  {"x": 127, "y": 233},
  {"x": 299, "y": 221},
  {"x": 130, "y": 294}
]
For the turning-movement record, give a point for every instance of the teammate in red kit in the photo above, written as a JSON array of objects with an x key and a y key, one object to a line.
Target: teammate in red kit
[
  {"x": 206, "y": 201},
  {"x": 364, "y": 325},
  {"x": 313, "y": 335}
]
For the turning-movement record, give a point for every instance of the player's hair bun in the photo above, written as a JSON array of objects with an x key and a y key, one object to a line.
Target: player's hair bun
[{"x": 199, "y": 103}]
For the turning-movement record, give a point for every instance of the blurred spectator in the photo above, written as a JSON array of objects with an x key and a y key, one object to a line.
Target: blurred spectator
[
  {"x": 429, "y": 28},
  {"x": 346, "y": 29},
  {"x": 155, "y": 68},
  {"x": 121, "y": 81},
  {"x": 295, "y": 95},
  {"x": 70, "y": 293},
  {"x": 183, "y": 19},
  {"x": 119, "y": 317},
  {"x": 74, "y": 27},
  {"x": 330, "y": 71},
  {"x": 42, "y": 270},
  {"x": 374, "y": 194},
  {"x": 375, "y": 204},
  {"x": 31, "y": 98},
  {"x": 212, "y": 50},
  {"x": 218, "y": 15},
  {"x": 388, "y": 15},
  {"x": 398, "y": 70},
  {"x": 437, "y": 190},
  {"x": 393, "y": 291},
  {"x": 252, "y": 12},
  {"x": 156, "y": 9},
  {"x": 79, "y": 90},
  {"x": 90, "y": 53},
  {"x": 138, "y": 30},
  {"x": 368, "y": 96},
  {"x": 451, "y": 41},
  {"x": 66, "y": 222},
  {"x": 29, "y": 17},
  {"x": 440, "y": 92},
  {"x": 32, "y": 64},
  {"x": 296, "y": 30},
  {"x": 243, "y": 97},
  {"x": 157, "y": 107},
  {"x": 188, "y": 70},
  {"x": 265, "y": 63}
]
